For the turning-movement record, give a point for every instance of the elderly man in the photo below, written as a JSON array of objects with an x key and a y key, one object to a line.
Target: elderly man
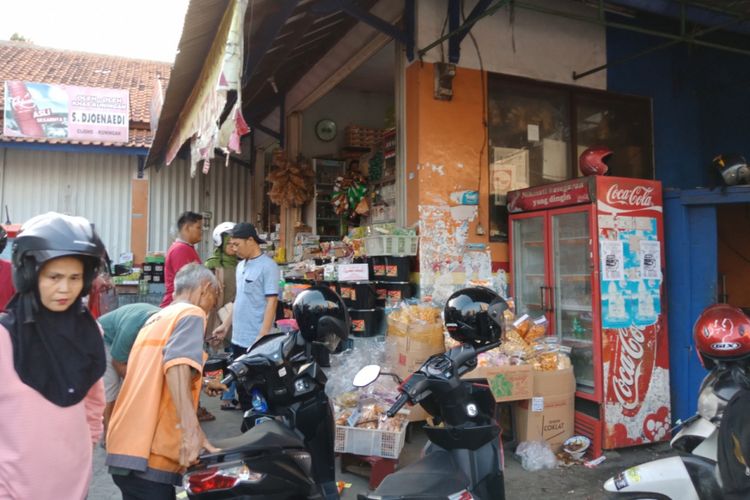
[
  {"x": 154, "y": 432},
  {"x": 254, "y": 307}
]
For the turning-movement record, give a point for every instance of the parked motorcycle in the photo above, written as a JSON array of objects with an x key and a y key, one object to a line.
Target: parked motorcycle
[
  {"x": 463, "y": 457},
  {"x": 287, "y": 450},
  {"x": 722, "y": 346}
]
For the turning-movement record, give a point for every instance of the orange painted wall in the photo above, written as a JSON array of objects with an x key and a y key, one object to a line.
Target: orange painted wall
[
  {"x": 447, "y": 146},
  {"x": 139, "y": 219}
]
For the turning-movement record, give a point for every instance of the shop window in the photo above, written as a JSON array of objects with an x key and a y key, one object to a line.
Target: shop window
[{"x": 537, "y": 130}]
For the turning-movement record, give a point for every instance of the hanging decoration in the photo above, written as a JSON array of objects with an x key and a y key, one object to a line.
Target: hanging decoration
[
  {"x": 348, "y": 196},
  {"x": 293, "y": 182}
]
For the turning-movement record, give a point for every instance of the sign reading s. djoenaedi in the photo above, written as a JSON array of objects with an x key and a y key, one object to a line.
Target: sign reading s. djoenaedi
[{"x": 51, "y": 111}]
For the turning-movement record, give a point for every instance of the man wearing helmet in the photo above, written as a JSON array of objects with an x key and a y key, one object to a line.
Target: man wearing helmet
[
  {"x": 51, "y": 362},
  {"x": 254, "y": 308}
]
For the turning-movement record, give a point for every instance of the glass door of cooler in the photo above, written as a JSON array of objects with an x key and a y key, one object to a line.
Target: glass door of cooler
[
  {"x": 572, "y": 265},
  {"x": 529, "y": 265}
]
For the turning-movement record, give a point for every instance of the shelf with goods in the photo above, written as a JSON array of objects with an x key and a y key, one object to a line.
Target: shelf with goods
[{"x": 327, "y": 223}]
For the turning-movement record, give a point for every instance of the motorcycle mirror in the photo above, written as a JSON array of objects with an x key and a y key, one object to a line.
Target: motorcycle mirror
[{"x": 366, "y": 376}]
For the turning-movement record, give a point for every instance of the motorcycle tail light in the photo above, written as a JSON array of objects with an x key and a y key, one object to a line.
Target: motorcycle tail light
[{"x": 220, "y": 478}]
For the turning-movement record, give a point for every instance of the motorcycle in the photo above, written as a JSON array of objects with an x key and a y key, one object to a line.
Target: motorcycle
[
  {"x": 693, "y": 474},
  {"x": 462, "y": 459},
  {"x": 287, "y": 451}
]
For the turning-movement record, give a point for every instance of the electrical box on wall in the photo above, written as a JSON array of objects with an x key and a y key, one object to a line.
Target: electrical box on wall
[{"x": 444, "y": 73}]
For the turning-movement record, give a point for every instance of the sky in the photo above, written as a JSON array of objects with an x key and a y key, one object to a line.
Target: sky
[{"x": 141, "y": 29}]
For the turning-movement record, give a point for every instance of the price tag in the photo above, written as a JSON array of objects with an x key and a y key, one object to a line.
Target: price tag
[{"x": 537, "y": 403}]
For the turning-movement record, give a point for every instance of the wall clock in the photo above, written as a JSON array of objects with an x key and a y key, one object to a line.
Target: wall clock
[{"x": 325, "y": 130}]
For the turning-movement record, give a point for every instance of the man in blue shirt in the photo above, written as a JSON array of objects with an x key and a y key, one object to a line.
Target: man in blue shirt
[{"x": 254, "y": 307}]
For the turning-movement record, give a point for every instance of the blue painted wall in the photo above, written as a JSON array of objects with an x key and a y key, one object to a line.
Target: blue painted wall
[{"x": 700, "y": 102}]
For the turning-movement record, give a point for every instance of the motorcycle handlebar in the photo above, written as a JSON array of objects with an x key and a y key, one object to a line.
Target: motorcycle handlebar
[
  {"x": 228, "y": 379},
  {"x": 400, "y": 402}
]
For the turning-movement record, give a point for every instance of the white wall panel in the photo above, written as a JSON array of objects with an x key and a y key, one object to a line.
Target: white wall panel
[
  {"x": 225, "y": 192},
  {"x": 92, "y": 185}
]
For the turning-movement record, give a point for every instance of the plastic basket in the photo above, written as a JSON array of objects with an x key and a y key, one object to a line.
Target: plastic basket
[
  {"x": 370, "y": 442},
  {"x": 391, "y": 245}
]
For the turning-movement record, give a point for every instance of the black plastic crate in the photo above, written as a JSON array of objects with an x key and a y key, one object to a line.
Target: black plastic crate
[
  {"x": 391, "y": 293},
  {"x": 366, "y": 322},
  {"x": 357, "y": 294},
  {"x": 388, "y": 268}
]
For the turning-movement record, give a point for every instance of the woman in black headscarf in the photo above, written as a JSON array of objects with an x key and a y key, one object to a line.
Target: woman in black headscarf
[{"x": 51, "y": 362}]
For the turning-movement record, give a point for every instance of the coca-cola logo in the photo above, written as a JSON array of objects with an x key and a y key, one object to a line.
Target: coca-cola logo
[
  {"x": 625, "y": 378},
  {"x": 637, "y": 196},
  {"x": 22, "y": 102}
]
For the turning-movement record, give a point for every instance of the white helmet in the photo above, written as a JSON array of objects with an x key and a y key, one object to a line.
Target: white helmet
[{"x": 220, "y": 231}]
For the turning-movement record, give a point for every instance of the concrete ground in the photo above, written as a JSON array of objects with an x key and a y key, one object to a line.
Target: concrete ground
[{"x": 574, "y": 482}]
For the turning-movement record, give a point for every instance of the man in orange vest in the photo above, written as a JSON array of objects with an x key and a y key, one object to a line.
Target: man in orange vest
[{"x": 154, "y": 433}]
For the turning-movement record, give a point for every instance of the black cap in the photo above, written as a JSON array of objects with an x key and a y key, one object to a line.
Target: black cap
[{"x": 245, "y": 230}]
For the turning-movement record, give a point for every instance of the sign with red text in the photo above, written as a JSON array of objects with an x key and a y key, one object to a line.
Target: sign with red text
[{"x": 66, "y": 112}]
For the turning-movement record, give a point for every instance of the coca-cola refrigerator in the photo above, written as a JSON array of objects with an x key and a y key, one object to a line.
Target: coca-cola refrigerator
[{"x": 589, "y": 254}]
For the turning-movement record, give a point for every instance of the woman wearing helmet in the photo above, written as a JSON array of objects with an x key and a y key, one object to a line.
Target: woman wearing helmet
[
  {"x": 223, "y": 263},
  {"x": 51, "y": 362}
]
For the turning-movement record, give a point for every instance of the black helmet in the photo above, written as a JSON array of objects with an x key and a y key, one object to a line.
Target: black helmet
[
  {"x": 3, "y": 238},
  {"x": 321, "y": 316},
  {"x": 475, "y": 315},
  {"x": 50, "y": 236},
  {"x": 733, "y": 169}
]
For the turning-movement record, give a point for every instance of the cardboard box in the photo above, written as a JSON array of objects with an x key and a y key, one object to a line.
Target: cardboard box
[
  {"x": 507, "y": 383},
  {"x": 549, "y": 414}
]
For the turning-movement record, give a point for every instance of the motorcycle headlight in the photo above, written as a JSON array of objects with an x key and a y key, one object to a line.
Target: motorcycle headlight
[
  {"x": 224, "y": 477},
  {"x": 708, "y": 403}
]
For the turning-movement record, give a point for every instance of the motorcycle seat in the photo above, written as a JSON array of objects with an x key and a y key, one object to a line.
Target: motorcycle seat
[
  {"x": 269, "y": 434},
  {"x": 434, "y": 476}
]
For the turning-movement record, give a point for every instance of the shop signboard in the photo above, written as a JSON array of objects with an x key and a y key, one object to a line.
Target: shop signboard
[
  {"x": 66, "y": 112},
  {"x": 545, "y": 197}
]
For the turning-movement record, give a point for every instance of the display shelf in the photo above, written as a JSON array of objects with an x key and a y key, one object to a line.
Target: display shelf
[
  {"x": 572, "y": 341},
  {"x": 575, "y": 308},
  {"x": 384, "y": 180}
]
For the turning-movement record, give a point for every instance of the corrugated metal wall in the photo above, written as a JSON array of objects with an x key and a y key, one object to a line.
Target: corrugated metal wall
[
  {"x": 92, "y": 185},
  {"x": 224, "y": 192}
]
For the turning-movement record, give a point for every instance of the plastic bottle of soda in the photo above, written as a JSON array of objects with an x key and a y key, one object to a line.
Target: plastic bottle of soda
[{"x": 23, "y": 108}]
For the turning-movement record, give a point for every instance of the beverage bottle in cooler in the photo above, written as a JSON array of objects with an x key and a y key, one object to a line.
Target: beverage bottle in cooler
[{"x": 23, "y": 108}]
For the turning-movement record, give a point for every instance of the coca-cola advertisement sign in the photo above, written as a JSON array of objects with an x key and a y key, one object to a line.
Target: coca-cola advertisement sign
[
  {"x": 560, "y": 194},
  {"x": 51, "y": 111},
  {"x": 633, "y": 363}
]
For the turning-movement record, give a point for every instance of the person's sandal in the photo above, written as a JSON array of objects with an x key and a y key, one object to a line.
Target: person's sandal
[
  {"x": 204, "y": 415},
  {"x": 230, "y": 405}
]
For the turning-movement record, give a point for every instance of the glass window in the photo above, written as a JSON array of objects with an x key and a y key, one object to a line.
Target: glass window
[
  {"x": 623, "y": 125},
  {"x": 537, "y": 131},
  {"x": 529, "y": 139}
]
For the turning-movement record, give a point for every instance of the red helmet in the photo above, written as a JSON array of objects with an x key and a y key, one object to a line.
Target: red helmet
[
  {"x": 721, "y": 332},
  {"x": 593, "y": 161}
]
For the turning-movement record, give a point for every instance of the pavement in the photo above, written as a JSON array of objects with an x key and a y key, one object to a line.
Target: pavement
[{"x": 575, "y": 482}]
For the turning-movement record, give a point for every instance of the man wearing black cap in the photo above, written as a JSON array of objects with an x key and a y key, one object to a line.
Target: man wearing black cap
[{"x": 254, "y": 307}]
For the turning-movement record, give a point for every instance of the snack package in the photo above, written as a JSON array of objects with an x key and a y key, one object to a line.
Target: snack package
[
  {"x": 537, "y": 330},
  {"x": 522, "y": 325}
]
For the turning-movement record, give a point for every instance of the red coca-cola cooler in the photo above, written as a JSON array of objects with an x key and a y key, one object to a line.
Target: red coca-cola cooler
[{"x": 589, "y": 255}]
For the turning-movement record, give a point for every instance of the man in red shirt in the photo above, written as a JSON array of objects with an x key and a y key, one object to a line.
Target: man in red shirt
[
  {"x": 182, "y": 251},
  {"x": 6, "y": 273}
]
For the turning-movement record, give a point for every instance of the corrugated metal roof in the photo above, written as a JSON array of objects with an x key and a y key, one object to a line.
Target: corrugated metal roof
[
  {"x": 201, "y": 23},
  {"x": 284, "y": 39}
]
